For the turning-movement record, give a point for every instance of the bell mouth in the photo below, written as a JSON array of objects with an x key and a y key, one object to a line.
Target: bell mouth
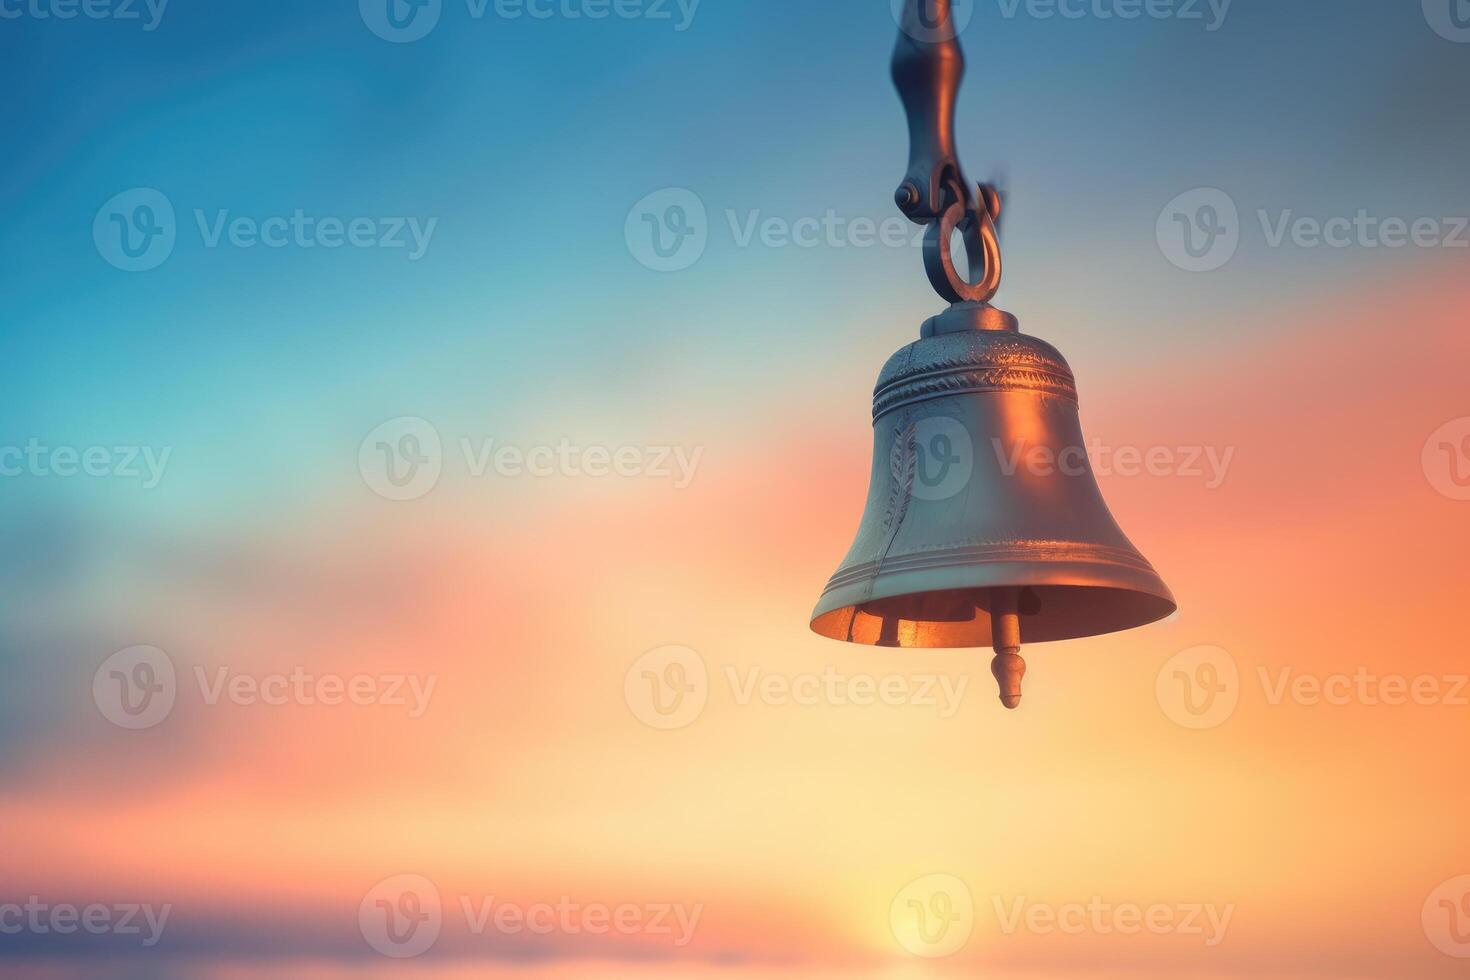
[{"x": 953, "y": 618}]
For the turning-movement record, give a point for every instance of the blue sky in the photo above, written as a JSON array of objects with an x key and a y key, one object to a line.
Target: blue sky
[{"x": 518, "y": 148}]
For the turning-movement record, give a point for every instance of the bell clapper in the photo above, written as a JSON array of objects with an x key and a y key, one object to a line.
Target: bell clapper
[
  {"x": 889, "y": 635},
  {"x": 1005, "y": 638}
]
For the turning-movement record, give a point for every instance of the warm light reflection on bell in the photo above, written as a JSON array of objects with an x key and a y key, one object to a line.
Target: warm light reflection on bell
[{"x": 984, "y": 524}]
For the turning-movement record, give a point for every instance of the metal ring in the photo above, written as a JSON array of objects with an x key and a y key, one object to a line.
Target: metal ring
[{"x": 982, "y": 250}]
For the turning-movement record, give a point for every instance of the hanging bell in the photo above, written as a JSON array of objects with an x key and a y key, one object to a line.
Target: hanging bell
[{"x": 984, "y": 523}]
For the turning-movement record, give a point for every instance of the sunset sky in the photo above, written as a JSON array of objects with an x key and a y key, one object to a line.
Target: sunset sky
[{"x": 494, "y": 640}]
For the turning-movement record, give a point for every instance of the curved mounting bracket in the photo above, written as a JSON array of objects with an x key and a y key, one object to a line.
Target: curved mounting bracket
[{"x": 928, "y": 66}]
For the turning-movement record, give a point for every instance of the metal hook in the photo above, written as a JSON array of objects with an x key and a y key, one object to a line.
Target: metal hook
[
  {"x": 928, "y": 66},
  {"x": 976, "y": 226}
]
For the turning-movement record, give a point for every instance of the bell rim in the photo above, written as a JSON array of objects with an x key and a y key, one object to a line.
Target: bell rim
[{"x": 1139, "y": 589}]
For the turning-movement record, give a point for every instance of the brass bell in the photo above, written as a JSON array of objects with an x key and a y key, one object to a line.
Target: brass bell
[{"x": 984, "y": 523}]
